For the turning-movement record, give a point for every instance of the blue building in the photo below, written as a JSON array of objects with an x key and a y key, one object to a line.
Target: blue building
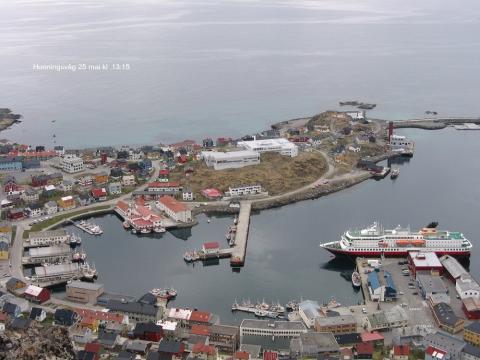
[
  {"x": 145, "y": 164},
  {"x": 390, "y": 289},
  {"x": 10, "y": 164}
]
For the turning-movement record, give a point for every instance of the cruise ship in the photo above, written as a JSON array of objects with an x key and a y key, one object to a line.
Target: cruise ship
[{"x": 377, "y": 241}]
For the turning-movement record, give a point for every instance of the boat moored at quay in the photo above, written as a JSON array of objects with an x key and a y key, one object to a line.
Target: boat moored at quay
[{"x": 377, "y": 241}]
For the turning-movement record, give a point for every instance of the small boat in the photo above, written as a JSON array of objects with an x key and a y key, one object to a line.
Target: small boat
[
  {"x": 134, "y": 231},
  {"x": 292, "y": 305},
  {"x": 235, "y": 221},
  {"x": 145, "y": 231},
  {"x": 228, "y": 236},
  {"x": 126, "y": 224},
  {"x": 208, "y": 221},
  {"x": 395, "y": 172},
  {"x": 356, "y": 279},
  {"x": 188, "y": 257},
  {"x": 159, "y": 229}
]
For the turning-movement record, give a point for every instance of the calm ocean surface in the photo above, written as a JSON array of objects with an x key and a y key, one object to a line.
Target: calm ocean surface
[
  {"x": 283, "y": 258},
  {"x": 228, "y": 67}
]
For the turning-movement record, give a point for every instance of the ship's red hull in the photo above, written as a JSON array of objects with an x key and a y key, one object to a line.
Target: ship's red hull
[{"x": 391, "y": 254}]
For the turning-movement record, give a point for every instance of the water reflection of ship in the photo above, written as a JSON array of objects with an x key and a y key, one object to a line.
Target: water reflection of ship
[
  {"x": 182, "y": 233},
  {"x": 347, "y": 275}
]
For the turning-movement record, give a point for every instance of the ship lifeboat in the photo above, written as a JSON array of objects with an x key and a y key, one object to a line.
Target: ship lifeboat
[
  {"x": 420, "y": 243},
  {"x": 403, "y": 242}
]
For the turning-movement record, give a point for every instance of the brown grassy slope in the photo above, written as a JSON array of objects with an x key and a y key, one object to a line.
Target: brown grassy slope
[{"x": 276, "y": 173}]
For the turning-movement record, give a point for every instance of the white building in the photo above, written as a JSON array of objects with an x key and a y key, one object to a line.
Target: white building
[
  {"x": 245, "y": 190},
  {"x": 283, "y": 329},
  {"x": 309, "y": 310},
  {"x": 467, "y": 287},
  {"x": 280, "y": 145},
  {"x": 187, "y": 195},
  {"x": 356, "y": 115},
  {"x": 47, "y": 238},
  {"x": 72, "y": 164},
  {"x": 174, "y": 209},
  {"x": 230, "y": 160},
  {"x": 50, "y": 207},
  {"x": 128, "y": 180}
]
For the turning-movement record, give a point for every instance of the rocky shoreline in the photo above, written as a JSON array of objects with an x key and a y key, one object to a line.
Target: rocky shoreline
[{"x": 7, "y": 118}]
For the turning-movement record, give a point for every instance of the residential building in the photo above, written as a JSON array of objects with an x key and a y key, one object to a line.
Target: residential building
[
  {"x": 115, "y": 188},
  {"x": 429, "y": 285},
  {"x": 147, "y": 331},
  {"x": 80, "y": 334},
  {"x": 164, "y": 187},
  {"x": 230, "y": 160},
  {"x": 66, "y": 185},
  {"x": 401, "y": 352},
  {"x": 187, "y": 194},
  {"x": 244, "y": 190},
  {"x": 174, "y": 209},
  {"x": 4, "y": 247},
  {"x": 100, "y": 179},
  {"x": 315, "y": 344},
  {"x": 84, "y": 292},
  {"x": 13, "y": 310},
  {"x": 72, "y": 164},
  {"x": 66, "y": 203},
  {"x": 65, "y": 317},
  {"x": 471, "y": 333},
  {"x": 336, "y": 324},
  {"x": 99, "y": 194},
  {"x": 20, "y": 324},
  {"x": 471, "y": 352},
  {"x": 135, "y": 311},
  {"x": 36, "y": 294},
  {"x": 34, "y": 210},
  {"x": 85, "y": 181},
  {"x": 128, "y": 180},
  {"x": 279, "y": 145},
  {"x": 433, "y": 353},
  {"x": 10, "y": 164},
  {"x": 449, "y": 344},
  {"x": 50, "y": 208},
  {"x": 373, "y": 337},
  {"x": 13, "y": 285},
  {"x": 224, "y": 337},
  {"x": 30, "y": 195},
  {"x": 446, "y": 319},
  {"x": 37, "y": 314}
]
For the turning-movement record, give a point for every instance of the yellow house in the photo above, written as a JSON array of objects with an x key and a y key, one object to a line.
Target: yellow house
[
  {"x": 3, "y": 250},
  {"x": 471, "y": 333},
  {"x": 100, "y": 179},
  {"x": 90, "y": 322},
  {"x": 5, "y": 227}
]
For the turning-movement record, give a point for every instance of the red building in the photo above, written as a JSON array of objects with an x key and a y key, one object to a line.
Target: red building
[
  {"x": 424, "y": 263},
  {"x": 199, "y": 317},
  {"x": 200, "y": 330},
  {"x": 270, "y": 355},
  {"x": 374, "y": 338},
  {"x": 36, "y": 294},
  {"x": 148, "y": 331},
  {"x": 364, "y": 350},
  {"x": 471, "y": 307},
  {"x": 15, "y": 214},
  {"x": 99, "y": 194}
]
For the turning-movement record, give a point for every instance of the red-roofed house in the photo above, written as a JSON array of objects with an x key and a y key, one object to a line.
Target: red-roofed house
[
  {"x": 374, "y": 337},
  {"x": 99, "y": 194},
  {"x": 212, "y": 193},
  {"x": 199, "y": 317},
  {"x": 163, "y": 173},
  {"x": 174, "y": 209},
  {"x": 200, "y": 330},
  {"x": 401, "y": 352},
  {"x": 211, "y": 247},
  {"x": 364, "y": 351},
  {"x": 202, "y": 351},
  {"x": 36, "y": 294},
  {"x": 433, "y": 353},
  {"x": 93, "y": 349}
]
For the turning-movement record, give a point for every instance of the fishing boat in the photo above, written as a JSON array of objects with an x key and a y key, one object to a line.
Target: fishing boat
[
  {"x": 235, "y": 221},
  {"x": 159, "y": 229},
  {"x": 126, "y": 224},
  {"x": 395, "y": 172},
  {"x": 164, "y": 293},
  {"x": 356, "y": 279},
  {"x": 292, "y": 305},
  {"x": 146, "y": 231}
]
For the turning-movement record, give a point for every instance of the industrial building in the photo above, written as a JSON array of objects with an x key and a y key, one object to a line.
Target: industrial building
[
  {"x": 84, "y": 292},
  {"x": 230, "y": 160},
  {"x": 280, "y": 145},
  {"x": 446, "y": 318},
  {"x": 336, "y": 324},
  {"x": 429, "y": 285},
  {"x": 424, "y": 263},
  {"x": 381, "y": 286}
]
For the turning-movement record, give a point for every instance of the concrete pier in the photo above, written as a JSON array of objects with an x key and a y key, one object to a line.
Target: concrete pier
[{"x": 241, "y": 236}]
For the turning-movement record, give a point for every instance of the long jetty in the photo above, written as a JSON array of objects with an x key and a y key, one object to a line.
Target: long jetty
[{"x": 241, "y": 236}]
